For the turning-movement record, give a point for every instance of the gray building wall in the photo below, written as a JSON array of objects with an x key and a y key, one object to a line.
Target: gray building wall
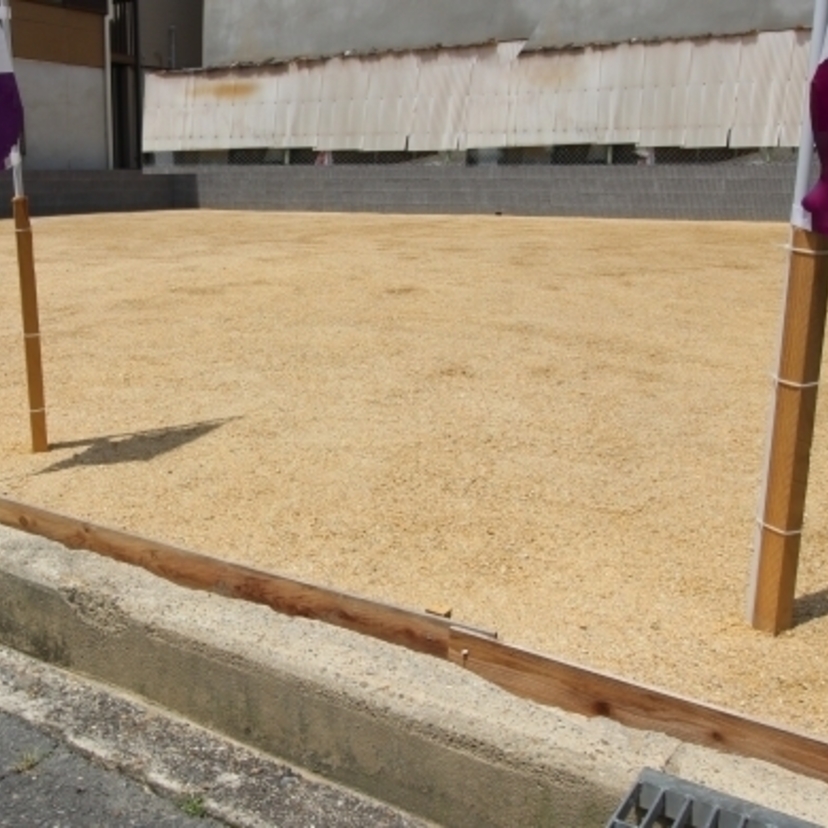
[
  {"x": 581, "y": 23},
  {"x": 261, "y": 30},
  {"x": 65, "y": 115},
  {"x": 156, "y": 18}
]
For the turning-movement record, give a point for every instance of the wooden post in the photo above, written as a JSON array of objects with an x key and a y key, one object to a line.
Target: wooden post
[
  {"x": 780, "y": 531},
  {"x": 31, "y": 323}
]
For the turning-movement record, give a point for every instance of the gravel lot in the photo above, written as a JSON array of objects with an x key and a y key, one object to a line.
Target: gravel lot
[{"x": 555, "y": 427}]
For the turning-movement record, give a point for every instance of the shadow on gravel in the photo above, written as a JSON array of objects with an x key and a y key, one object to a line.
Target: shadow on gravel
[
  {"x": 141, "y": 446},
  {"x": 810, "y": 607}
]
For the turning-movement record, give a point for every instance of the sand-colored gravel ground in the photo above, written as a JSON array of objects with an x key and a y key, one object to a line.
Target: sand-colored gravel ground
[{"x": 554, "y": 427}]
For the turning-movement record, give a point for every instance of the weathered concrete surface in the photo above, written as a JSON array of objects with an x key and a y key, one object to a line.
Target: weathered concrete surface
[
  {"x": 76, "y": 753},
  {"x": 261, "y": 30},
  {"x": 42, "y": 782},
  {"x": 65, "y": 115},
  {"x": 410, "y": 730}
]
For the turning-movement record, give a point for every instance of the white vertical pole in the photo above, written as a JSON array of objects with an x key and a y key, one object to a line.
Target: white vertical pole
[{"x": 17, "y": 165}]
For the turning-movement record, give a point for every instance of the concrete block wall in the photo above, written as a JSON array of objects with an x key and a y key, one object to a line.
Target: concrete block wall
[
  {"x": 723, "y": 192},
  {"x": 69, "y": 192},
  {"x": 744, "y": 192}
]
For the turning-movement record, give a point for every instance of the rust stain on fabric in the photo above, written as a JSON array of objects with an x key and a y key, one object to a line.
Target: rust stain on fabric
[{"x": 230, "y": 90}]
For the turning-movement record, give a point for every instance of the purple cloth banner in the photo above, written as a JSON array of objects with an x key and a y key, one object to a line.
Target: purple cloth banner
[
  {"x": 816, "y": 202},
  {"x": 11, "y": 108}
]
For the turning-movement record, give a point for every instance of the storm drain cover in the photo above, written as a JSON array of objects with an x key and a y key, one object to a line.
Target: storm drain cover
[{"x": 658, "y": 800}]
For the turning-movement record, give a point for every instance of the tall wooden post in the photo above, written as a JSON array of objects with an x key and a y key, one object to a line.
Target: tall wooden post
[
  {"x": 31, "y": 323},
  {"x": 781, "y": 519}
]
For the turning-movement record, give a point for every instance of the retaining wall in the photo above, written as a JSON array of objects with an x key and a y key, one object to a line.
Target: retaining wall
[
  {"x": 715, "y": 192},
  {"x": 67, "y": 192},
  {"x": 687, "y": 192}
]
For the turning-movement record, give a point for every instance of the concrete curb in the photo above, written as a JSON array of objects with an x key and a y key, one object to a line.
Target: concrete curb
[
  {"x": 78, "y": 730},
  {"x": 407, "y": 729}
]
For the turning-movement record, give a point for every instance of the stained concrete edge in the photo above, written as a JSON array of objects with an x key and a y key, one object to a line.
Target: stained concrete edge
[
  {"x": 48, "y": 713},
  {"x": 407, "y": 729}
]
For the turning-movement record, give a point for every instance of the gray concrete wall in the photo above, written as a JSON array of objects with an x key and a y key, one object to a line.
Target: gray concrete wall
[
  {"x": 680, "y": 192},
  {"x": 65, "y": 112},
  {"x": 66, "y": 193},
  {"x": 259, "y": 30},
  {"x": 579, "y": 23},
  {"x": 745, "y": 193}
]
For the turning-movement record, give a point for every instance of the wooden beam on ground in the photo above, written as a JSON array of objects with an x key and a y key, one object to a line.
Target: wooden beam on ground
[
  {"x": 417, "y": 631},
  {"x": 586, "y": 692},
  {"x": 779, "y": 536}
]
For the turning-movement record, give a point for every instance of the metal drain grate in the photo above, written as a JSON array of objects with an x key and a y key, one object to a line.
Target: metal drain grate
[{"x": 658, "y": 800}]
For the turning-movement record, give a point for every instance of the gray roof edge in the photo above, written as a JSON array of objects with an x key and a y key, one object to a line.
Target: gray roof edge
[
  {"x": 273, "y": 62},
  {"x": 533, "y": 46}
]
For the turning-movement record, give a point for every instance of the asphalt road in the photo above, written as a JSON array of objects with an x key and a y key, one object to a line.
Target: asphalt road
[{"x": 45, "y": 783}]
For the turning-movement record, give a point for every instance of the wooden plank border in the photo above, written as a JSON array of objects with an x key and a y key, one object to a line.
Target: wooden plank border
[
  {"x": 418, "y": 631},
  {"x": 590, "y": 693},
  {"x": 522, "y": 672}
]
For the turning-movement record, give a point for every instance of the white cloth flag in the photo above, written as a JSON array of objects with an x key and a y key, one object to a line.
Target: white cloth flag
[
  {"x": 11, "y": 108},
  {"x": 816, "y": 201}
]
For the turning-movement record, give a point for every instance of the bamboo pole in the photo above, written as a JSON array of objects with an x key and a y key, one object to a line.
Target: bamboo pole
[
  {"x": 28, "y": 282},
  {"x": 31, "y": 323},
  {"x": 794, "y": 409}
]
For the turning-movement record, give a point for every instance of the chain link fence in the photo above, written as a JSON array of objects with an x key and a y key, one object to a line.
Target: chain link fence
[{"x": 568, "y": 155}]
